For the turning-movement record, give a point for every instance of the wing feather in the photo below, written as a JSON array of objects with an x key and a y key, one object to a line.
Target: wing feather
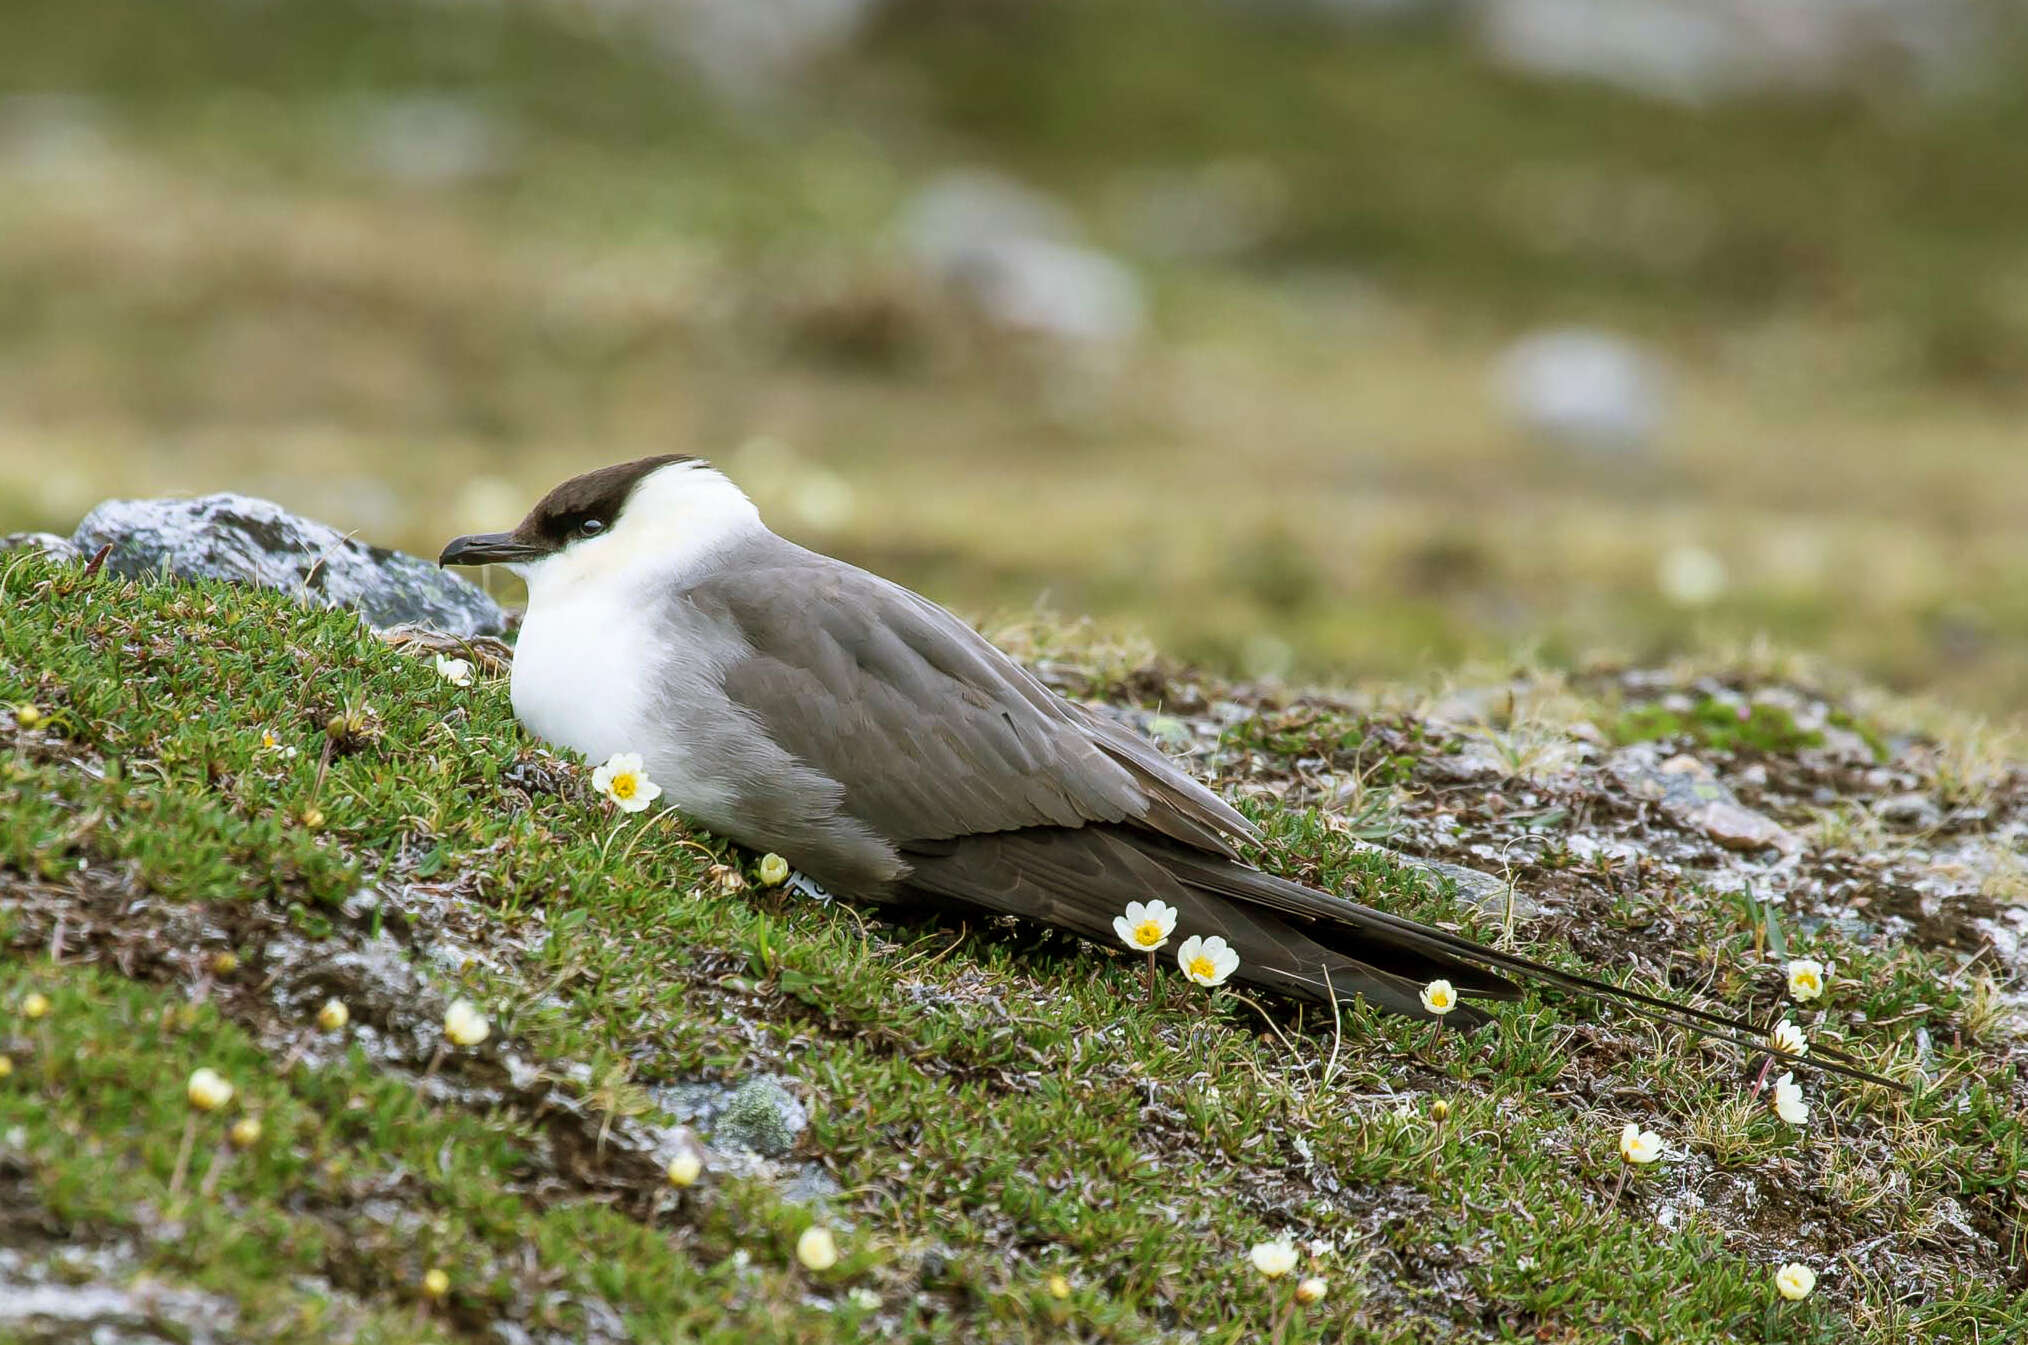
[{"x": 931, "y": 731}]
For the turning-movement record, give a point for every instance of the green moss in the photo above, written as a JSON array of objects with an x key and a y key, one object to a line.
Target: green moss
[{"x": 1722, "y": 725}]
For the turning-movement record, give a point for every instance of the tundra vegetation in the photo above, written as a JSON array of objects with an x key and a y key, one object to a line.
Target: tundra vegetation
[{"x": 220, "y": 813}]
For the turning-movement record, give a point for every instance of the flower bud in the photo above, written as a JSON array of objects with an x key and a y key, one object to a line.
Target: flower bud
[{"x": 208, "y": 1090}]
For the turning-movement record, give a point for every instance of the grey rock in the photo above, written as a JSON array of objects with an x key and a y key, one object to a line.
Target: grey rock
[
  {"x": 1695, "y": 799},
  {"x": 1475, "y": 888},
  {"x": 1012, "y": 256},
  {"x": 1060, "y": 291},
  {"x": 762, "y": 1116},
  {"x": 1584, "y": 389},
  {"x": 245, "y": 540},
  {"x": 751, "y": 49},
  {"x": 808, "y": 1184},
  {"x": 1910, "y": 812},
  {"x": 97, "y": 1294},
  {"x": 759, "y": 1116},
  {"x": 954, "y": 211},
  {"x": 1482, "y": 890},
  {"x": 432, "y": 141},
  {"x": 1697, "y": 51},
  {"x": 56, "y": 548}
]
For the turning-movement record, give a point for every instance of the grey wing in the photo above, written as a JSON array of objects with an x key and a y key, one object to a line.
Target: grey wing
[{"x": 932, "y": 732}]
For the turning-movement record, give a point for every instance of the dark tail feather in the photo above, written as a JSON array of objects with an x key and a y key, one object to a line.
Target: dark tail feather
[
  {"x": 1291, "y": 939},
  {"x": 1362, "y": 922},
  {"x": 1081, "y": 879}
]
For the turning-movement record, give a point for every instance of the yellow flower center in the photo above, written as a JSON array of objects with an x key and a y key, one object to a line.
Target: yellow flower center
[
  {"x": 1147, "y": 934},
  {"x": 624, "y": 786},
  {"x": 1203, "y": 968},
  {"x": 1440, "y": 998}
]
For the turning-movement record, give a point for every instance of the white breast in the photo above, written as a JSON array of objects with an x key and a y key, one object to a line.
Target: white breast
[
  {"x": 584, "y": 672},
  {"x": 602, "y": 674}
]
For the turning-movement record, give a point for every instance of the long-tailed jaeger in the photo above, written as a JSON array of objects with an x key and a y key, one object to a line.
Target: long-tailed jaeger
[{"x": 801, "y": 705}]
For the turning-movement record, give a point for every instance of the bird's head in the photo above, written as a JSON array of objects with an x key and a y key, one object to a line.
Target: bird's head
[{"x": 656, "y": 510}]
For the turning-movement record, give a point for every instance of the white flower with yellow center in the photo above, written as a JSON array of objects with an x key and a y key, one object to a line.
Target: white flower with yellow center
[
  {"x": 1789, "y": 1038},
  {"x": 774, "y": 870},
  {"x": 1439, "y": 997},
  {"x": 245, "y": 1132},
  {"x": 1312, "y": 1290},
  {"x": 1639, "y": 1146},
  {"x": 456, "y": 671},
  {"x": 1794, "y": 1281},
  {"x": 624, "y": 780},
  {"x": 1146, "y": 926},
  {"x": 1207, "y": 961},
  {"x": 1806, "y": 979},
  {"x": 208, "y": 1090},
  {"x": 1273, "y": 1259},
  {"x": 1788, "y": 1101},
  {"x": 465, "y": 1025},
  {"x": 334, "y": 1015}
]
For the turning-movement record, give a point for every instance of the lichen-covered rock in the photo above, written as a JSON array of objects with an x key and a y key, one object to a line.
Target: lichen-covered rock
[
  {"x": 57, "y": 548},
  {"x": 761, "y": 1115},
  {"x": 238, "y": 538}
]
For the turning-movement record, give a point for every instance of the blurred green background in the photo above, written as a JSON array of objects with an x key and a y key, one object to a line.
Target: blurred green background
[{"x": 1329, "y": 338}]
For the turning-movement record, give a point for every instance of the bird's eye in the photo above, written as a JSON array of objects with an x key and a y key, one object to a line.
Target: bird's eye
[{"x": 591, "y": 527}]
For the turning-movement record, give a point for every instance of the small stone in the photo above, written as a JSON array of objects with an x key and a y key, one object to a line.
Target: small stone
[
  {"x": 1910, "y": 812},
  {"x": 1694, "y": 798},
  {"x": 1737, "y": 827}
]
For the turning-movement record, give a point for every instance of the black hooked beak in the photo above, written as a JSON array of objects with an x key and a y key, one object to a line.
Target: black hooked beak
[{"x": 489, "y": 548}]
